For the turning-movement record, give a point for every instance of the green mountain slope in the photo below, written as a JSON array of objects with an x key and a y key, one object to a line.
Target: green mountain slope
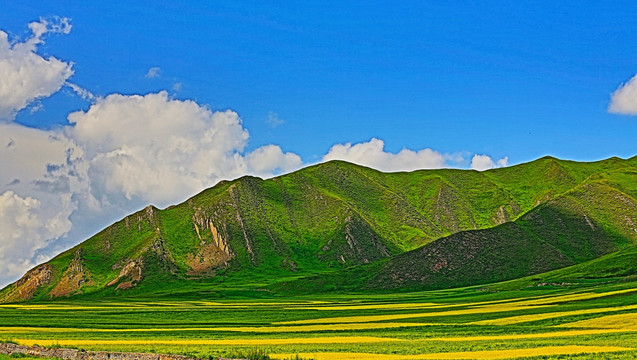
[
  {"x": 424, "y": 229},
  {"x": 593, "y": 219}
]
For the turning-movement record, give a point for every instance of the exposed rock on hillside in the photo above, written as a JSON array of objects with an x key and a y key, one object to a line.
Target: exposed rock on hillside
[
  {"x": 26, "y": 287},
  {"x": 73, "y": 279}
]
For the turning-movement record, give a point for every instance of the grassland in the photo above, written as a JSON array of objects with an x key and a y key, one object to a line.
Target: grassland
[{"x": 591, "y": 319}]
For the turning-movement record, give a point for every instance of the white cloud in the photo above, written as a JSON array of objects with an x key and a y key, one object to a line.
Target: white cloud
[
  {"x": 156, "y": 149},
  {"x": 274, "y": 120},
  {"x": 270, "y": 159},
  {"x": 624, "y": 99},
  {"x": 153, "y": 73},
  {"x": 28, "y": 225},
  {"x": 503, "y": 162},
  {"x": 81, "y": 92},
  {"x": 19, "y": 223},
  {"x": 54, "y": 24},
  {"x": 39, "y": 190},
  {"x": 372, "y": 154},
  {"x": 32, "y": 156},
  {"x": 485, "y": 162},
  {"x": 27, "y": 76}
]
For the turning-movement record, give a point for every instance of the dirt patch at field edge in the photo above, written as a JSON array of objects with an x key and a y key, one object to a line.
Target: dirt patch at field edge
[{"x": 75, "y": 354}]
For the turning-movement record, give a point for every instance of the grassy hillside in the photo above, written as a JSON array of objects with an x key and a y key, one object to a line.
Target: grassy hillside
[
  {"x": 593, "y": 219},
  {"x": 317, "y": 226}
]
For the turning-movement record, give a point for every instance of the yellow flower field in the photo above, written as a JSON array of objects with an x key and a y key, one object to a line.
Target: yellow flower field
[
  {"x": 371, "y": 318},
  {"x": 573, "y": 297},
  {"x": 474, "y": 325},
  {"x": 373, "y": 306},
  {"x": 535, "y": 317},
  {"x": 626, "y": 322},
  {"x": 257, "y": 329},
  {"x": 543, "y": 335},
  {"x": 251, "y": 342},
  {"x": 490, "y": 354}
]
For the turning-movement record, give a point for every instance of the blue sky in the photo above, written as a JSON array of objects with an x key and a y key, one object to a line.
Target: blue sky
[
  {"x": 462, "y": 84},
  {"x": 512, "y": 79}
]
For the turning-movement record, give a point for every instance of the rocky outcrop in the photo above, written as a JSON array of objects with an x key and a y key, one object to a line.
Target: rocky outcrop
[
  {"x": 209, "y": 256},
  {"x": 213, "y": 250},
  {"x": 131, "y": 274},
  {"x": 26, "y": 287},
  {"x": 73, "y": 279}
]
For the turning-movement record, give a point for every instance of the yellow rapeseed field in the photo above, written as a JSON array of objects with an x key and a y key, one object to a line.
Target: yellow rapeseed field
[
  {"x": 618, "y": 321},
  {"x": 403, "y": 305},
  {"x": 372, "y": 306},
  {"x": 554, "y": 334},
  {"x": 487, "y": 354},
  {"x": 236, "y": 342},
  {"x": 256, "y": 329},
  {"x": 67, "y": 307},
  {"x": 551, "y": 315},
  {"x": 572, "y": 297},
  {"x": 371, "y": 318}
]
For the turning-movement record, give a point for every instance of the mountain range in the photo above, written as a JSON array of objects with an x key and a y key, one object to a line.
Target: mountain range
[{"x": 337, "y": 226}]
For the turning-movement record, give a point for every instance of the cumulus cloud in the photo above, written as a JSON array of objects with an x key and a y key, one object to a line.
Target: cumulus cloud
[
  {"x": 624, "y": 99},
  {"x": 372, "y": 154},
  {"x": 270, "y": 159},
  {"x": 32, "y": 156},
  {"x": 36, "y": 194},
  {"x": 485, "y": 162},
  {"x": 153, "y": 73},
  {"x": 27, "y": 76},
  {"x": 157, "y": 149},
  {"x": 27, "y": 226}
]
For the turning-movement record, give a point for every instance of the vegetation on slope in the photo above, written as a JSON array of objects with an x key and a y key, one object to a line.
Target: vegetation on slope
[
  {"x": 424, "y": 229},
  {"x": 591, "y": 220}
]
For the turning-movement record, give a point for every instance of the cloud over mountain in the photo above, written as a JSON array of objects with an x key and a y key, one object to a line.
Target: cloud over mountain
[
  {"x": 373, "y": 154},
  {"x": 160, "y": 150},
  {"x": 36, "y": 194},
  {"x": 624, "y": 99},
  {"x": 485, "y": 162}
]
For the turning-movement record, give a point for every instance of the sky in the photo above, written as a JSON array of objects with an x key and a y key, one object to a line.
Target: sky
[{"x": 108, "y": 106}]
